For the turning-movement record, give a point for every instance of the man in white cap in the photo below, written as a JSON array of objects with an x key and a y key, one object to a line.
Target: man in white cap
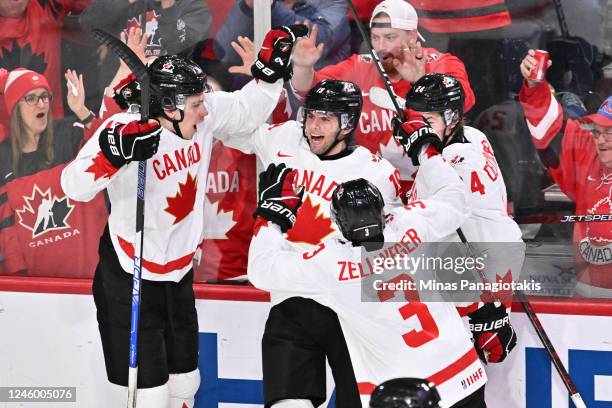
[{"x": 396, "y": 40}]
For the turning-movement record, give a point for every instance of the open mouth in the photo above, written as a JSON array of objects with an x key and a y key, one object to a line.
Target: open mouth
[
  {"x": 316, "y": 139},
  {"x": 385, "y": 56},
  {"x": 40, "y": 115}
]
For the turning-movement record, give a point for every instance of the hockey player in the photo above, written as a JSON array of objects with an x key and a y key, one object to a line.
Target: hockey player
[
  {"x": 177, "y": 145},
  {"x": 405, "y": 393},
  {"x": 489, "y": 228},
  {"x": 385, "y": 339},
  {"x": 578, "y": 156},
  {"x": 316, "y": 146},
  {"x": 395, "y": 38}
]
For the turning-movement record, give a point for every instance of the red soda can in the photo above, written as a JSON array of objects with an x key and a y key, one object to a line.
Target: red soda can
[{"x": 539, "y": 71}]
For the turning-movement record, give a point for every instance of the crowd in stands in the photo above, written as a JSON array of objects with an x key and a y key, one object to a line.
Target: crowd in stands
[{"x": 55, "y": 83}]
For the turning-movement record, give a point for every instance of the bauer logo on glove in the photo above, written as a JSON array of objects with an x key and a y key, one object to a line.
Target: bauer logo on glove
[
  {"x": 278, "y": 200},
  {"x": 494, "y": 336}
]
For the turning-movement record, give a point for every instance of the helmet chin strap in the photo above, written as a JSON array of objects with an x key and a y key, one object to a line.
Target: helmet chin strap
[{"x": 175, "y": 123}]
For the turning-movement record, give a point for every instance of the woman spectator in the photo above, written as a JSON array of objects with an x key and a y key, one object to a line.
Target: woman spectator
[{"x": 42, "y": 232}]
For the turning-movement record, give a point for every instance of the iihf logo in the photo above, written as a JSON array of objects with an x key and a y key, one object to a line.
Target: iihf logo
[{"x": 44, "y": 212}]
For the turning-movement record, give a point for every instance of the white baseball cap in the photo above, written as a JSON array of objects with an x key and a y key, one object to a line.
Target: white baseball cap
[{"x": 403, "y": 16}]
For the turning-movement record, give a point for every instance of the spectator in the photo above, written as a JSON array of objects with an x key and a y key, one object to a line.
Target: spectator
[
  {"x": 173, "y": 26},
  {"x": 578, "y": 156},
  {"x": 42, "y": 232},
  {"x": 329, "y": 15},
  {"x": 396, "y": 40},
  {"x": 30, "y": 35}
]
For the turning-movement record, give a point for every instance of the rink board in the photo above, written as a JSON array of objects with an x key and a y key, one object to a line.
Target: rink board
[{"x": 49, "y": 337}]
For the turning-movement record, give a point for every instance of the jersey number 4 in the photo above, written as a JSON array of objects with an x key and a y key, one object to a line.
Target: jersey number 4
[{"x": 476, "y": 185}]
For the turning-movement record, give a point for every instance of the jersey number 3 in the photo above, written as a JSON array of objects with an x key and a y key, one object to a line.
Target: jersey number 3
[{"x": 429, "y": 329}]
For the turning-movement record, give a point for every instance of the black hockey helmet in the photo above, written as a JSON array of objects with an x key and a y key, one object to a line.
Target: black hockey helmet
[
  {"x": 172, "y": 78},
  {"x": 405, "y": 393},
  {"x": 437, "y": 93},
  {"x": 357, "y": 209},
  {"x": 340, "y": 97}
]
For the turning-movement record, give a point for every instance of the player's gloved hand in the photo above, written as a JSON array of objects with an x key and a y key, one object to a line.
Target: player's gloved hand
[
  {"x": 494, "y": 336},
  {"x": 278, "y": 200},
  {"x": 414, "y": 133},
  {"x": 135, "y": 140},
  {"x": 127, "y": 92},
  {"x": 274, "y": 58}
]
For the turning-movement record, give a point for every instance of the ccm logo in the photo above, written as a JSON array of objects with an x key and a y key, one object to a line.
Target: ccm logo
[
  {"x": 280, "y": 209},
  {"x": 489, "y": 326}
]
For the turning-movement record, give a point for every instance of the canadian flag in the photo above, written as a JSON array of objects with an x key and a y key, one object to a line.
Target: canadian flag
[{"x": 231, "y": 199}]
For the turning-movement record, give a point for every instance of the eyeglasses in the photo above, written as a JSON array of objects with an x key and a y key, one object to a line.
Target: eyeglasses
[
  {"x": 33, "y": 99},
  {"x": 607, "y": 134}
]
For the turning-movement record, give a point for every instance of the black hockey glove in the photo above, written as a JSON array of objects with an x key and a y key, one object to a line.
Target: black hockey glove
[
  {"x": 414, "y": 133},
  {"x": 135, "y": 140},
  {"x": 274, "y": 58},
  {"x": 278, "y": 200},
  {"x": 494, "y": 336},
  {"x": 127, "y": 92}
]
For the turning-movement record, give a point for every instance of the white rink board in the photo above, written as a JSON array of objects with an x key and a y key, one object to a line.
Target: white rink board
[{"x": 52, "y": 340}]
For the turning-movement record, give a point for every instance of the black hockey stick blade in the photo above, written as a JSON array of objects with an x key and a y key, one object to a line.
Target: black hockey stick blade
[{"x": 132, "y": 61}]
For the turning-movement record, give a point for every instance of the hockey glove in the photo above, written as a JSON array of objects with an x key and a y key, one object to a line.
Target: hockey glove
[
  {"x": 127, "y": 92},
  {"x": 135, "y": 140},
  {"x": 274, "y": 58},
  {"x": 494, "y": 336},
  {"x": 278, "y": 200},
  {"x": 415, "y": 133}
]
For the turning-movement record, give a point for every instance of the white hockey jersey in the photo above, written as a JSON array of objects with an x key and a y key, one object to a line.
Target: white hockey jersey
[
  {"x": 176, "y": 181},
  {"x": 285, "y": 143},
  {"x": 489, "y": 222},
  {"x": 385, "y": 339}
]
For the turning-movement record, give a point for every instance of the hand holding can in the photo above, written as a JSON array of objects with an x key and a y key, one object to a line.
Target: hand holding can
[
  {"x": 534, "y": 66},
  {"x": 538, "y": 72}
]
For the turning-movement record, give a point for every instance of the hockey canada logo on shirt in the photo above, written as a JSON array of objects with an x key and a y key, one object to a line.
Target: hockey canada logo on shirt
[
  {"x": 154, "y": 46},
  {"x": 43, "y": 212}
]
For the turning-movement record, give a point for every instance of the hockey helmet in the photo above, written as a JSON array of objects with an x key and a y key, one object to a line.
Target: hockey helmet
[
  {"x": 405, "y": 393},
  {"x": 437, "y": 93},
  {"x": 357, "y": 209},
  {"x": 173, "y": 78},
  {"x": 342, "y": 98}
]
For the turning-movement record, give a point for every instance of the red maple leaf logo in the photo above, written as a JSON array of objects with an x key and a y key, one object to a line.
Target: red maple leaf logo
[
  {"x": 182, "y": 203},
  {"x": 311, "y": 225},
  {"x": 101, "y": 167}
]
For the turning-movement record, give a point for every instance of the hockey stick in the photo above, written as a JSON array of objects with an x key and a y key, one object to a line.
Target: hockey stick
[
  {"x": 561, "y": 18},
  {"x": 550, "y": 349},
  {"x": 387, "y": 81},
  {"x": 142, "y": 75},
  {"x": 381, "y": 70}
]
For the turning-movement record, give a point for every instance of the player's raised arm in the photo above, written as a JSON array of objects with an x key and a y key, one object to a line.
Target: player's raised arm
[
  {"x": 273, "y": 263},
  {"x": 241, "y": 112}
]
